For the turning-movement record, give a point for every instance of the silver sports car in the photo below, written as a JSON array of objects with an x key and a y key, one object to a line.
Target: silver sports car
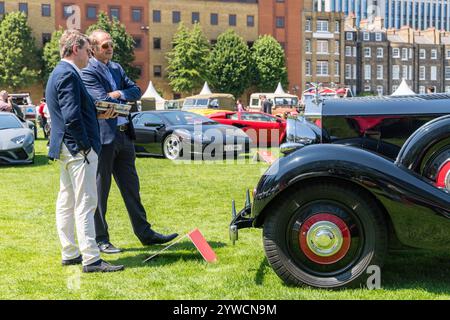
[{"x": 16, "y": 140}]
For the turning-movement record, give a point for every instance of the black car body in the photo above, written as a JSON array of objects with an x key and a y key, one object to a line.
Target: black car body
[
  {"x": 176, "y": 134},
  {"x": 374, "y": 172}
]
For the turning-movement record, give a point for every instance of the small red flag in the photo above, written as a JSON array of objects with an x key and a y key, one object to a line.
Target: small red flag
[{"x": 202, "y": 245}]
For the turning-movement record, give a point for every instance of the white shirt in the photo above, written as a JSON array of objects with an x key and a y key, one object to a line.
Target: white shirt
[{"x": 73, "y": 65}]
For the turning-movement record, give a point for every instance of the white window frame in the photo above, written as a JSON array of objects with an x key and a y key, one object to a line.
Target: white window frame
[
  {"x": 447, "y": 89},
  {"x": 433, "y": 54},
  {"x": 336, "y": 68},
  {"x": 422, "y": 54},
  {"x": 322, "y": 66},
  {"x": 378, "y": 36},
  {"x": 367, "y": 88},
  {"x": 396, "y": 72},
  {"x": 308, "y": 67},
  {"x": 405, "y": 72},
  {"x": 378, "y": 52},
  {"x": 404, "y": 54},
  {"x": 379, "y": 72},
  {"x": 322, "y": 26},
  {"x": 337, "y": 47},
  {"x": 308, "y": 25},
  {"x": 354, "y": 52},
  {"x": 322, "y": 46},
  {"x": 366, "y": 36},
  {"x": 367, "y": 52},
  {"x": 380, "y": 90},
  {"x": 349, "y": 36},
  {"x": 367, "y": 72},
  {"x": 447, "y": 73},
  {"x": 307, "y": 46},
  {"x": 422, "y": 73},
  {"x": 348, "y": 51},
  {"x": 433, "y": 73},
  {"x": 348, "y": 71},
  {"x": 421, "y": 89},
  {"x": 447, "y": 54},
  {"x": 337, "y": 26},
  {"x": 395, "y": 52}
]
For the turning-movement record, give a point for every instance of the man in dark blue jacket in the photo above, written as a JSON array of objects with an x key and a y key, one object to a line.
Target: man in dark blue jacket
[
  {"x": 75, "y": 141},
  {"x": 106, "y": 81}
]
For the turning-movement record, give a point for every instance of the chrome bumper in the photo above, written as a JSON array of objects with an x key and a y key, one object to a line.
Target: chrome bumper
[{"x": 240, "y": 220}]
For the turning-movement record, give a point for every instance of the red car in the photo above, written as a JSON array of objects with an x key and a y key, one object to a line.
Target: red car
[{"x": 262, "y": 128}]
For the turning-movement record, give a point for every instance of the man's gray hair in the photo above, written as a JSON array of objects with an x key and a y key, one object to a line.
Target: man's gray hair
[
  {"x": 93, "y": 37},
  {"x": 69, "y": 39}
]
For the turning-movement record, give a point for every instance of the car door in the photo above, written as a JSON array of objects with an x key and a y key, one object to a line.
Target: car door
[
  {"x": 147, "y": 127},
  {"x": 263, "y": 125}
]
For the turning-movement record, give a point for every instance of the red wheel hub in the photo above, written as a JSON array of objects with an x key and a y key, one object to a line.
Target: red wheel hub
[
  {"x": 442, "y": 175},
  {"x": 324, "y": 238}
]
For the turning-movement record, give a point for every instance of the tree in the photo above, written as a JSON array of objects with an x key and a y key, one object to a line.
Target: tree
[
  {"x": 19, "y": 59},
  {"x": 123, "y": 43},
  {"x": 51, "y": 55},
  {"x": 269, "y": 63},
  {"x": 187, "y": 61},
  {"x": 230, "y": 64}
]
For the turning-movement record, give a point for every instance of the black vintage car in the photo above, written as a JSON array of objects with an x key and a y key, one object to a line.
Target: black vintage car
[
  {"x": 178, "y": 135},
  {"x": 370, "y": 172}
]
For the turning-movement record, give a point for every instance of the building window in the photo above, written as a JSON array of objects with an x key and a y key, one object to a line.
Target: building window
[
  {"x": 405, "y": 72},
  {"x": 2, "y": 7},
  {"x": 380, "y": 90},
  {"x": 367, "y": 72},
  {"x": 308, "y": 67},
  {"x": 157, "y": 71},
  {"x": 250, "y": 21},
  {"x": 348, "y": 71},
  {"x": 336, "y": 68},
  {"x": 336, "y": 47},
  {"x": 232, "y": 20},
  {"x": 366, "y": 36},
  {"x": 367, "y": 88},
  {"x": 379, "y": 72},
  {"x": 410, "y": 53},
  {"x": 23, "y": 7},
  {"x": 195, "y": 17},
  {"x": 380, "y": 52},
  {"x": 421, "y": 89},
  {"x": 395, "y": 72},
  {"x": 422, "y": 54},
  {"x": 322, "y": 46},
  {"x": 337, "y": 26},
  {"x": 308, "y": 25},
  {"x": 91, "y": 12},
  {"x": 156, "y": 16},
  {"x": 433, "y": 73},
  {"x": 322, "y": 25},
  {"x": 447, "y": 73},
  {"x": 447, "y": 89},
  {"x": 447, "y": 54},
  {"x": 433, "y": 54},
  {"x": 348, "y": 51},
  {"x": 322, "y": 68},
  {"x": 176, "y": 16},
  {"x": 137, "y": 42},
  {"x": 280, "y": 22},
  {"x": 136, "y": 14},
  {"x": 67, "y": 10},
  {"x": 405, "y": 54},
  {"x": 354, "y": 71},
  {"x": 214, "y": 19},
  {"x": 308, "y": 46},
  {"x": 46, "y": 10},
  {"x": 395, "y": 52},
  {"x": 114, "y": 12},
  {"x": 354, "y": 51},
  {"x": 46, "y": 37},
  {"x": 349, "y": 36},
  {"x": 157, "y": 43},
  {"x": 394, "y": 88},
  {"x": 367, "y": 52},
  {"x": 378, "y": 36},
  {"x": 422, "y": 71}
]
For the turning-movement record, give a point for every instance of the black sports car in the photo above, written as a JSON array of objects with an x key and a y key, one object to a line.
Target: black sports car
[{"x": 179, "y": 134}]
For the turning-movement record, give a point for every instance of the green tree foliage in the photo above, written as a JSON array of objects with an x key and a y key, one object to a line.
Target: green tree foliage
[
  {"x": 123, "y": 43},
  {"x": 269, "y": 64},
  {"x": 187, "y": 61},
  {"x": 19, "y": 59},
  {"x": 230, "y": 64},
  {"x": 51, "y": 55}
]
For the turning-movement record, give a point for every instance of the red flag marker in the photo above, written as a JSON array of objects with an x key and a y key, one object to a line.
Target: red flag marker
[{"x": 202, "y": 245}]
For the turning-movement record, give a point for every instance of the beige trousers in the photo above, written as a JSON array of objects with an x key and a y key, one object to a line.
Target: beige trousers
[{"x": 76, "y": 204}]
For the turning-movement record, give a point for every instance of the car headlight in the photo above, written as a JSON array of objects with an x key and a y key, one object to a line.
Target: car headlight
[{"x": 19, "y": 139}]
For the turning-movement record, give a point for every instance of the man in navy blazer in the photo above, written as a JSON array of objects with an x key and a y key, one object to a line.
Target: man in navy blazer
[
  {"x": 106, "y": 80},
  {"x": 75, "y": 142}
]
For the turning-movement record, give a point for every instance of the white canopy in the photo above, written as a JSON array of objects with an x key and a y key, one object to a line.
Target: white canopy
[
  {"x": 403, "y": 89},
  {"x": 279, "y": 89},
  {"x": 152, "y": 93},
  {"x": 205, "y": 89}
]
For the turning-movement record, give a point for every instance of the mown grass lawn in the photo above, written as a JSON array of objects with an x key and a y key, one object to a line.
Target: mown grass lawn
[{"x": 178, "y": 197}]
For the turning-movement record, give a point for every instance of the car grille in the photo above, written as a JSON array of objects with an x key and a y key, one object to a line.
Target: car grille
[{"x": 18, "y": 154}]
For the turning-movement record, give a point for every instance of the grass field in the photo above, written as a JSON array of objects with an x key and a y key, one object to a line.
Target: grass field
[{"x": 179, "y": 198}]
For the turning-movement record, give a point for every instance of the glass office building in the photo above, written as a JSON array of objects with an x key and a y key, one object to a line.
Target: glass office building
[{"x": 417, "y": 14}]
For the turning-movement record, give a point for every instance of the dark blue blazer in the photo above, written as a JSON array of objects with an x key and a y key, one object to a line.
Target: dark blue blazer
[
  {"x": 72, "y": 111},
  {"x": 98, "y": 86}
]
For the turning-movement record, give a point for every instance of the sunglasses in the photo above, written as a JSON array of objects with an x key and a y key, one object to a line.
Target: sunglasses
[{"x": 107, "y": 44}]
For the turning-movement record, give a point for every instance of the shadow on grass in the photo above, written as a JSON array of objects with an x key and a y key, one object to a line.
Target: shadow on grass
[
  {"x": 184, "y": 251},
  {"x": 39, "y": 160},
  {"x": 403, "y": 270}
]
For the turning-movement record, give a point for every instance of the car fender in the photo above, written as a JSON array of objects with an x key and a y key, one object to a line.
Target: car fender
[{"x": 404, "y": 195}]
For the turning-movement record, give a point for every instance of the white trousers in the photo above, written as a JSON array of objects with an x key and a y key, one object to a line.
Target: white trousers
[{"x": 76, "y": 204}]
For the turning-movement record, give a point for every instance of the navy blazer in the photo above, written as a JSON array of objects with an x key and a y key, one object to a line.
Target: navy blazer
[
  {"x": 72, "y": 111},
  {"x": 98, "y": 86}
]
